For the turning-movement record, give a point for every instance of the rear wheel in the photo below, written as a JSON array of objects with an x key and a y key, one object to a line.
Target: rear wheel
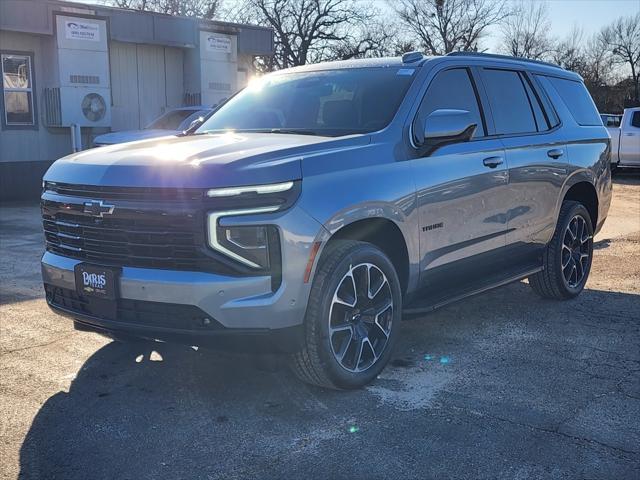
[
  {"x": 567, "y": 258},
  {"x": 352, "y": 319}
]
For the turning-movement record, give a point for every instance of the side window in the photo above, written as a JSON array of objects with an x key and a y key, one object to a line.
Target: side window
[
  {"x": 542, "y": 121},
  {"x": 552, "y": 116},
  {"x": 453, "y": 89},
  {"x": 17, "y": 87},
  {"x": 577, "y": 99},
  {"x": 511, "y": 107},
  {"x": 635, "y": 119}
]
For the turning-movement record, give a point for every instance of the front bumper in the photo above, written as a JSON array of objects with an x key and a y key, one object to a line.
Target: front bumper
[{"x": 243, "y": 306}]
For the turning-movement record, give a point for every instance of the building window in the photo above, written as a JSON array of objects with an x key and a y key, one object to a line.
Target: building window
[{"x": 17, "y": 86}]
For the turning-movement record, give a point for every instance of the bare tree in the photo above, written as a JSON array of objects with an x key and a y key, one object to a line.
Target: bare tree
[
  {"x": 315, "y": 30},
  {"x": 186, "y": 8},
  {"x": 525, "y": 31},
  {"x": 370, "y": 39},
  {"x": 599, "y": 63},
  {"x": 569, "y": 52},
  {"x": 622, "y": 38},
  {"x": 443, "y": 26}
]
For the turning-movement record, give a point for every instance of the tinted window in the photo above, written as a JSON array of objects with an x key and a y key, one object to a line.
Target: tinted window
[
  {"x": 552, "y": 116},
  {"x": 510, "y": 104},
  {"x": 170, "y": 120},
  {"x": 329, "y": 102},
  {"x": 635, "y": 119},
  {"x": 611, "y": 120},
  {"x": 452, "y": 89},
  {"x": 577, "y": 100},
  {"x": 541, "y": 120}
]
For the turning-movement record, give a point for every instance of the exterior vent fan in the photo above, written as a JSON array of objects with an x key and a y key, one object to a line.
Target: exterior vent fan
[{"x": 93, "y": 107}]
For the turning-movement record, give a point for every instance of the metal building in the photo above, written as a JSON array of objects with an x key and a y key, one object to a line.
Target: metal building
[{"x": 103, "y": 69}]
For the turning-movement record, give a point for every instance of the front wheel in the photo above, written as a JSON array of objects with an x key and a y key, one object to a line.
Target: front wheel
[
  {"x": 567, "y": 258},
  {"x": 352, "y": 318}
]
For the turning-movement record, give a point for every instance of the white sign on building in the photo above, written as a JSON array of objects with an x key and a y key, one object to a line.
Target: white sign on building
[
  {"x": 218, "y": 43},
  {"x": 81, "y": 30}
]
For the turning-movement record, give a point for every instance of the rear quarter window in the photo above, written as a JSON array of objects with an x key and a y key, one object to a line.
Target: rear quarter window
[{"x": 578, "y": 101}]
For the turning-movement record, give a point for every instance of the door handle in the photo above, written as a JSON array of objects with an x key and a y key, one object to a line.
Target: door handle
[
  {"x": 492, "y": 162},
  {"x": 555, "y": 153},
  {"x": 629, "y": 134}
]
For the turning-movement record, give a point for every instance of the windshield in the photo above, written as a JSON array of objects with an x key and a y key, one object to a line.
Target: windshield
[
  {"x": 331, "y": 103},
  {"x": 171, "y": 120}
]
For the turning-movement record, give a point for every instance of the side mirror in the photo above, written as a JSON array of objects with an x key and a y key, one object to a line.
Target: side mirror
[
  {"x": 448, "y": 126},
  {"x": 444, "y": 126}
]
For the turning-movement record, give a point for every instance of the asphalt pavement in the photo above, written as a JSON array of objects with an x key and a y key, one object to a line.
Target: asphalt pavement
[{"x": 503, "y": 386}]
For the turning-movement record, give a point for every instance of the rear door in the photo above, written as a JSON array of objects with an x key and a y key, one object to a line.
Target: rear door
[
  {"x": 536, "y": 155},
  {"x": 460, "y": 191},
  {"x": 630, "y": 140}
]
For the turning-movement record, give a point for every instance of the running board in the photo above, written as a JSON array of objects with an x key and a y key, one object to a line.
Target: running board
[{"x": 428, "y": 305}]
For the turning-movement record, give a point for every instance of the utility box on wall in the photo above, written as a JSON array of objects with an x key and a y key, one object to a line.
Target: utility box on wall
[
  {"x": 83, "y": 84},
  {"x": 218, "y": 66}
]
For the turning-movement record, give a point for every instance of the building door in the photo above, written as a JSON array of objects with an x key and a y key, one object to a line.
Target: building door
[
  {"x": 146, "y": 80},
  {"x": 124, "y": 86}
]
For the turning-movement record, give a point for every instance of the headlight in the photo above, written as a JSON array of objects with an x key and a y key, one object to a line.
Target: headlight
[
  {"x": 248, "y": 244},
  {"x": 258, "y": 189},
  {"x": 255, "y": 246}
]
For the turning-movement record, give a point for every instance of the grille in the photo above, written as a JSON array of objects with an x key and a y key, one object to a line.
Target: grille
[
  {"x": 126, "y": 193},
  {"x": 86, "y": 79},
  {"x": 162, "y": 228},
  {"x": 134, "y": 312},
  {"x": 223, "y": 87},
  {"x": 142, "y": 243},
  {"x": 149, "y": 228}
]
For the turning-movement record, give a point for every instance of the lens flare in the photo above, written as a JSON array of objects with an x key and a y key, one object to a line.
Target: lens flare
[{"x": 255, "y": 85}]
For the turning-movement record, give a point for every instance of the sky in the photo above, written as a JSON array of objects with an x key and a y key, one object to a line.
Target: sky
[{"x": 589, "y": 15}]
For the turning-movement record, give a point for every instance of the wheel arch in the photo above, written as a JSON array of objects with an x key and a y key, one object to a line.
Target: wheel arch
[
  {"x": 583, "y": 191},
  {"x": 384, "y": 234}
]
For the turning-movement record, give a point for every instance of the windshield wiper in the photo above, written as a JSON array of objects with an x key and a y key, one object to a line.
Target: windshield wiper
[{"x": 295, "y": 131}]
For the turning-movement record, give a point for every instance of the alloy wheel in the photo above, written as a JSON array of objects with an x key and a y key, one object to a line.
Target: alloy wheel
[
  {"x": 360, "y": 317},
  {"x": 576, "y": 251}
]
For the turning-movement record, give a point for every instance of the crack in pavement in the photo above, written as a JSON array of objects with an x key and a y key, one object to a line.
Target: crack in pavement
[
  {"x": 38, "y": 345},
  {"x": 554, "y": 431}
]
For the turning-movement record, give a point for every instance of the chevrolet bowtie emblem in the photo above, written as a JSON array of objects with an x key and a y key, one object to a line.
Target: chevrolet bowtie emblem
[{"x": 98, "y": 208}]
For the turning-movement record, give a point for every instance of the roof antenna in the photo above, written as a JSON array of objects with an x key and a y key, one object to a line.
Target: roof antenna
[{"x": 411, "y": 57}]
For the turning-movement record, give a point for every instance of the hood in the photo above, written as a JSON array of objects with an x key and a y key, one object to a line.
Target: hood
[
  {"x": 131, "y": 136},
  {"x": 196, "y": 161}
]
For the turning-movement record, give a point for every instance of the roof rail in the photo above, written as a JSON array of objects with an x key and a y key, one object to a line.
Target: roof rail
[{"x": 501, "y": 57}]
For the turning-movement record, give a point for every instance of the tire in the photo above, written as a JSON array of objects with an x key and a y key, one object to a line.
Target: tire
[
  {"x": 566, "y": 260},
  {"x": 335, "y": 332}
]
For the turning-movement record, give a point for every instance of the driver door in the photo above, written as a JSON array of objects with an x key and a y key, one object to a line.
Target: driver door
[{"x": 461, "y": 192}]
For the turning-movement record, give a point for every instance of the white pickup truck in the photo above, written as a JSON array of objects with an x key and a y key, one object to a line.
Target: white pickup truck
[{"x": 625, "y": 138}]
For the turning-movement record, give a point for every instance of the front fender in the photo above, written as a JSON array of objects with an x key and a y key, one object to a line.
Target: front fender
[{"x": 383, "y": 191}]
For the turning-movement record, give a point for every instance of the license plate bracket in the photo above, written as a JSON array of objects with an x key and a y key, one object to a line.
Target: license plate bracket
[{"x": 96, "y": 281}]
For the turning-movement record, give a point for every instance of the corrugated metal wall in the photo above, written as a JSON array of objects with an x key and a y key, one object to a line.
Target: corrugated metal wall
[
  {"x": 124, "y": 75},
  {"x": 145, "y": 80}
]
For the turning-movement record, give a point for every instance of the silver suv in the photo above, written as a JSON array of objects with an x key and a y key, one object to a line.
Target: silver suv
[{"x": 321, "y": 203}]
